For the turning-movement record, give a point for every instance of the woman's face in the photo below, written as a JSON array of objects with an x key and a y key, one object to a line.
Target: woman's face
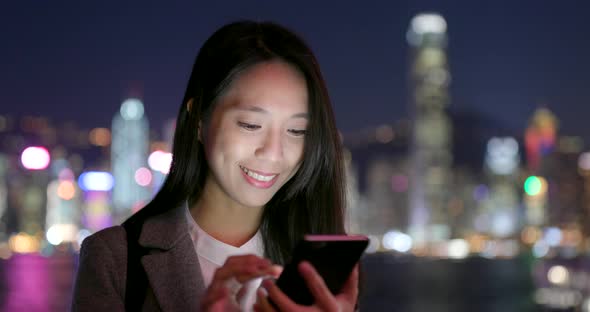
[{"x": 255, "y": 138}]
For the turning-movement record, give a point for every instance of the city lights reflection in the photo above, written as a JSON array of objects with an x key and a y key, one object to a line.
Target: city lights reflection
[
  {"x": 558, "y": 298},
  {"x": 458, "y": 249}
]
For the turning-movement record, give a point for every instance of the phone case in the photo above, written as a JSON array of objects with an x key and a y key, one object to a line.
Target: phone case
[{"x": 333, "y": 256}]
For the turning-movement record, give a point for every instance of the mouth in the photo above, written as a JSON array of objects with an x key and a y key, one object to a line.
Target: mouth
[{"x": 258, "y": 176}]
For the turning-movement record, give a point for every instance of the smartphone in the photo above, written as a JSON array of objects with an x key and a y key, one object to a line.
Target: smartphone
[{"x": 333, "y": 257}]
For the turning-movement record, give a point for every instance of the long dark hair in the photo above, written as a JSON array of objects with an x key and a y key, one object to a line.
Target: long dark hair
[{"x": 312, "y": 202}]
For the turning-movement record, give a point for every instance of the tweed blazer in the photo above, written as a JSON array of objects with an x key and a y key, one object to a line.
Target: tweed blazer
[{"x": 172, "y": 267}]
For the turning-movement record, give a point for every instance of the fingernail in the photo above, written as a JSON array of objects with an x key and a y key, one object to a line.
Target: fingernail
[
  {"x": 267, "y": 283},
  {"x": 269, "y": 276},
  {"x": 262, "y": 292},
  {"x": 304, "y": 265}
]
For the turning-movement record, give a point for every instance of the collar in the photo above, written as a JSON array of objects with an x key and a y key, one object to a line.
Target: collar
[
  {"x": 216, "y": 251},
  {"x": 165, "y": 230}
]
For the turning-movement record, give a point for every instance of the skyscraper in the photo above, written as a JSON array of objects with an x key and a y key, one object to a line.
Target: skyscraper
[
  {"x": 431, "y": 139},
  {"x": 129, "y": 152},
  {"x": 539, "y": 139}
]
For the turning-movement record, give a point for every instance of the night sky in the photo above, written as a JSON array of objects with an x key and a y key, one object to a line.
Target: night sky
[{"x": 76, "y": 60}]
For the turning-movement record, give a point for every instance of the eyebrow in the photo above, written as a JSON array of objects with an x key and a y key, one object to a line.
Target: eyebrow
[{"x": 257, "y": 109}]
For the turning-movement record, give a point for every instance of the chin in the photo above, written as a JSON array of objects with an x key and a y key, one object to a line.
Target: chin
[{"x": 255, "y": 202}]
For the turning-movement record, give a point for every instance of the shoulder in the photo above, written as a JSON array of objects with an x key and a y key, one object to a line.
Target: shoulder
[
  {"x": 100, "y": 281},
  {"x": 105, "y": 250},
  {"x": 112, "y": 239}
]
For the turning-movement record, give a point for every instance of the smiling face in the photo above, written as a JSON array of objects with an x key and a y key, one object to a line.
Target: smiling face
[{"x": 255, "y": 137}]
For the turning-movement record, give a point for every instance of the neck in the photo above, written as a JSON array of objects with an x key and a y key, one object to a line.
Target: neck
[{"x": 226, "y": 220}]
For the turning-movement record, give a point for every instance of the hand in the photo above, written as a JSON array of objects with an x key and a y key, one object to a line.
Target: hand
[
  {"x": 236, "y": 269},
  {"x": 324, "y": 300}
]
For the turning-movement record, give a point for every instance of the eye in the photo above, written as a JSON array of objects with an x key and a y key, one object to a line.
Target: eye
[
  {"x": 248, "y": 126},
  {"x": 297, "y": 132}
]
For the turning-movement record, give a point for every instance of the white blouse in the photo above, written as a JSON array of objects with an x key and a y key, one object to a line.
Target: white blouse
[{"x": 213, "y": 253}]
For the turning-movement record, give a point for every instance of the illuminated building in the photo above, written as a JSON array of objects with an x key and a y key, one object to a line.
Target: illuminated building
[
  {"x": 498, "y": 213},
  {"x": 96, "y": 186},
  {"x": 380, "y": 181},
  {"x": 354, "y": 212},
  {"x": 565, "y": 198},
  {"x": 63, "y": 210},
  {"x": 431, "y": 139},
  {"x": 540, "y": 137},
  {"x": 129, "y": 153}
]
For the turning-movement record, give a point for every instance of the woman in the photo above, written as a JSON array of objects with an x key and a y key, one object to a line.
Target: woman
[{"x": 257, "y": 163}]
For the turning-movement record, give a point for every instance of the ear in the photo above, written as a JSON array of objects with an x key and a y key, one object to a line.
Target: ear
[{"x": 189, "y": 105}]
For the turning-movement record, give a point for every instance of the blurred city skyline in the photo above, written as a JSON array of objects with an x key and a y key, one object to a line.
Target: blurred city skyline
[
  {"x": 488, "y": 179},
  {"x": 73, "y": 61}
]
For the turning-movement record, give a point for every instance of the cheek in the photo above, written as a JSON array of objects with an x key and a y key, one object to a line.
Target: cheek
[
  {"x": 231, "y": 147},
  {"x": 295, "y": 154}
]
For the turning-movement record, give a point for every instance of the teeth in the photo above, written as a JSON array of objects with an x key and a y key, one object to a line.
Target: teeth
[{"x": 257, "y": 176}]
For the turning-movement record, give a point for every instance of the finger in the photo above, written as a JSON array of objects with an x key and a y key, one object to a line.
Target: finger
[
  {"x": 224, "y": 305},
  {"x": 249, "y": 260},
  {"x": 243, "y": 268},
  {"x": 323, "y": 296},
  {"x": 213, "y": 296},
  {"x": 276, "y": 270},
  {"x": 279, "y": 298},
  {"x": 350, "y": 290},
  {"x": 262, "y": 303}
]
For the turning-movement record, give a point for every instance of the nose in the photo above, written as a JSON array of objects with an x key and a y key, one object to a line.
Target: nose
[{"x": 271, "y": 146}]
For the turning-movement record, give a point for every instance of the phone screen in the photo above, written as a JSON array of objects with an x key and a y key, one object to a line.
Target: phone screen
[{"x": 333, "y": 256}]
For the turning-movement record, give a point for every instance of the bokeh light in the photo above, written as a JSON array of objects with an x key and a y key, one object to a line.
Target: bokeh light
[
  {"x": 60, "y": 233},
  {"x": 100, "y": 137},
  {"x": 540, "y": 249},
  {"x": 96, "y": 181},
  {"x": 24, "y": 243},
  {"x": 35, "y": 158},
  {"x": 397, "y": 241},
  {"x": 160, "y": 161},
  {"x": 66, "y": 190},
  {"x": 143, "y": 176},
  {"x": 558, "y": 275},
  {"x": 428, "y": 23},
  {"x": 530, "y": 235},
  {"x": 384, "y": 134},
  {"x": 458, "y": 248},
  {"x": 552, "y": 236},
  {"x": 132, "y": 109},
  {"x": 374, "y": 244},
  {"x": 535, "y": 185}
]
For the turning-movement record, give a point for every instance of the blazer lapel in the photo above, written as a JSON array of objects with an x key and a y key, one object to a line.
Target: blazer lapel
[{"x": 172, "y": 266}]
